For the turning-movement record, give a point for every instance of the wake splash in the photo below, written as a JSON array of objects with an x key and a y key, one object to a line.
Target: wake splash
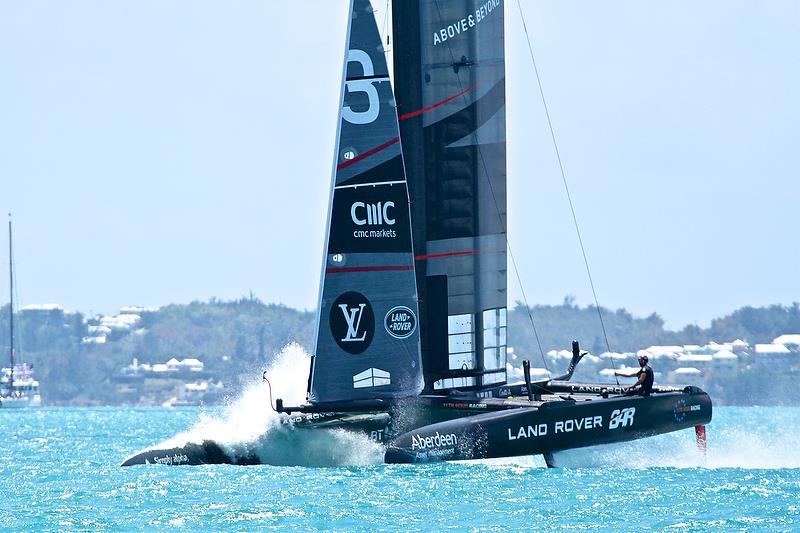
[
  {"x": 755, "y": 438},
  {"x": 250, "y": 428},
  {"x": 738, "y": 437}
]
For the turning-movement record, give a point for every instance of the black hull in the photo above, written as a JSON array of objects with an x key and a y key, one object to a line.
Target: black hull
[
  {"x": 551, "y": 427},
  {"x": 210, "y": 452},
  {"x": 440, "y": 428},
  {"x": 207, "y": 452}
]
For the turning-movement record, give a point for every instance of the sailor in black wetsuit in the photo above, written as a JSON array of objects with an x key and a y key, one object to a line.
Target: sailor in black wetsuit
[{"x": 645, "y": 382}]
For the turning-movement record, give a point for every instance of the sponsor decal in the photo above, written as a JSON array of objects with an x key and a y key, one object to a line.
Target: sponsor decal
[
  {"x": 504, "y": 392},
  {"x": 370, "y": 219},
  {"x": 560, "y": 426},
  {"x": 175, "y": 459},
  {"x": 464, "y": 405},
  {"x": 419, "y": 442},
  {"x": 378, "y": 434},
  {"x": 377, "y": 214},
  {"x": 578, "y": 424},
  {"x": 371, "y": 377},
  {"x": 466, "y": 23},
  {"x": 400, "y": 322},
  {"x": 596, "y": 389},
  {"x": 621, "y": 418},
  {"x": 352, "y": 322},
  {"x": 307, "y": 418},
  {"x": 680, "y": 409},
  {"x": 364, "y": 214},
  {"x": 375, "y": 234},
  {"x": 526, "y": 432}
]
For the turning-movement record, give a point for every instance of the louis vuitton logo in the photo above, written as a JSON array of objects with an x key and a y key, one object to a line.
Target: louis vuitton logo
[
  {"x": 352, "y": 316},
  {"x": 352, "y": 322}
]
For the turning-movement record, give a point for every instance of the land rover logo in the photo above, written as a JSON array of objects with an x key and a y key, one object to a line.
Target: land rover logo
[
  {"x": 352, "y": 322},
  {"x": 400, "y": 322}
]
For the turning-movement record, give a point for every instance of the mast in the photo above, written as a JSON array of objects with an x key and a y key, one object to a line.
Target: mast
[
  {"x": 449, "y": 63},
  {"x": 11, "y": 307}
]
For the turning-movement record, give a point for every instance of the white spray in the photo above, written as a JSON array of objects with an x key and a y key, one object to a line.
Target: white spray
[
  {"x": 738, "y": 437},
  {"x": 250, "y": 427}
]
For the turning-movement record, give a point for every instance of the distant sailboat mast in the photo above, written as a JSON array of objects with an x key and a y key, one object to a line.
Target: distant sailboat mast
[{"x": 11, "y": 307}]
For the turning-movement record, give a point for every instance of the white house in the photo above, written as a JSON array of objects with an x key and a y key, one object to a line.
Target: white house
[{"x": 792, "y": 340}]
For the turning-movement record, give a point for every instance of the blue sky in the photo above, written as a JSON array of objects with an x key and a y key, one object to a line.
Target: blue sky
[{"x": 155, "y": 152}]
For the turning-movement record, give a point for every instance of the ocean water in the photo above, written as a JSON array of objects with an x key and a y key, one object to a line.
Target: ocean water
[{"x": 59, "y": 471}]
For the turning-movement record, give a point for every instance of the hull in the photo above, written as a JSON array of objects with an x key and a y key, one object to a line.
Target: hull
[
  {"x": 16, "y": 403},
  {"x": 443, "y": 428},
  {"x": 206, "y": 452},
  {"x": 551, "y": 427},
  {"x": 210, "y": 452}
]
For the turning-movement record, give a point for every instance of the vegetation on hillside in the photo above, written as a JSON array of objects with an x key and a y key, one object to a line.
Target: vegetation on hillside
[
  {"x": 558, "y": 325},
  {"x": 237, "y": 338}
]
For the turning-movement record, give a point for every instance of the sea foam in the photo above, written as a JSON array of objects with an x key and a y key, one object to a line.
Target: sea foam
[{"x": 250, "y": 427}]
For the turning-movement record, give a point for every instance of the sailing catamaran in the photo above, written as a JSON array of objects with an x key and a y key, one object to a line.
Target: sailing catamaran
[
  {"x": 411, "y": 328},
  {"x": 17, "y": 386}
]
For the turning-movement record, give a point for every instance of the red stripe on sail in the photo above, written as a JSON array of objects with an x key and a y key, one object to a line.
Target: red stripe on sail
[
  {"x": 390, "y": 142},
  {"x": 366, "y": 154},
  {"x": 386, "y": 268},
  {"x": 434, "y": 106}
]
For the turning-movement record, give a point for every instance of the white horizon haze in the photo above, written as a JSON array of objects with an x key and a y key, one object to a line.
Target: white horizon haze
[{"x": 155, "y": 153}]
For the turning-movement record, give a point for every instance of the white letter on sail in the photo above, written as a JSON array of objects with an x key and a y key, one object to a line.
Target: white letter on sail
[
  {"x": 364, "y": 86},
  {"x": 353, "y": 318}
]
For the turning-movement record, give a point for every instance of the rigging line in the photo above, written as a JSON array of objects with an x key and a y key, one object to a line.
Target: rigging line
[
  {"x": 566, "y": 188},
  {"x": 386, "y": 25},
  {"x": 497, "y": 209},
  {"x": 18, "y": 323}
]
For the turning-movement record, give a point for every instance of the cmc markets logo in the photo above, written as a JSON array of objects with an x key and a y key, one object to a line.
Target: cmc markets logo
[
  {"x": 400, "y": 322},
  {"x": 364, "y": 214},
  {"x": 352, "y": 322}
]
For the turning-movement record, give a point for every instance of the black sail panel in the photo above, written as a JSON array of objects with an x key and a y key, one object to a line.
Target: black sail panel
[
  {"x": 367, "y": 344},
  {"x": 450, "y": 87}
]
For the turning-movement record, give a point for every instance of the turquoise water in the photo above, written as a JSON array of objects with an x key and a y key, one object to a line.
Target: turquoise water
[{"x": 59, "y": 471}]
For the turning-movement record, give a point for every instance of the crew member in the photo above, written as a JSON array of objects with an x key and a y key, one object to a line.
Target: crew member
[{"x": 645, "y": 381}]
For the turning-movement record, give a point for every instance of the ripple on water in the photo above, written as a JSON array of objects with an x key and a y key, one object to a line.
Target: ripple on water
[{"x": 64, "y": 466}]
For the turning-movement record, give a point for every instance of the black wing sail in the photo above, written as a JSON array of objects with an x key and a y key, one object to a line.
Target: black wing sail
[
  {"x": 367, "y": 344},
  {"x": 450, "y": 86}
]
